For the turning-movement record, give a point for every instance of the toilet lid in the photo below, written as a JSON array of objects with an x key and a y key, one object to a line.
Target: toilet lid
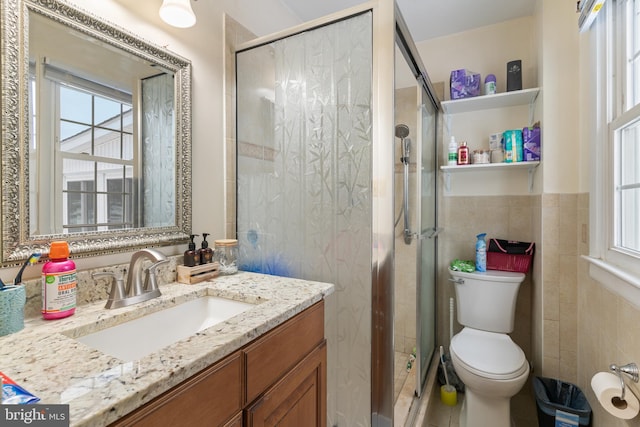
[{"x": 489, "y": 354}]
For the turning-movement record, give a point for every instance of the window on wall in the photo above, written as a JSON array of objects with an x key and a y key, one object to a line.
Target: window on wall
[{"x": 621, "y": 100}]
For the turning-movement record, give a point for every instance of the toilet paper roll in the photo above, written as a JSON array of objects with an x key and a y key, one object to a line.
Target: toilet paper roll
[{"x": 607, "y": 389}]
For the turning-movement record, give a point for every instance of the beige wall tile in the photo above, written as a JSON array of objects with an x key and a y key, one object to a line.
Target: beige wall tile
[
  {"x": 568, "y": 231},
  {"x": 551, "y": 367},
  {"x": 569, "y": 329},
  {"x": 569, "y": 366},
  {"x": 550, "y": 262},
  {"x": 551, "y": 226},
  {"x": 462, "y": 219},
  {"x": 234, "y": 35},
  {"x": 551, "y": 300},
  {"x": 628, "y": 329},
  {"x": 551, "y": 339},
  {"x": 550, "y": 200}
]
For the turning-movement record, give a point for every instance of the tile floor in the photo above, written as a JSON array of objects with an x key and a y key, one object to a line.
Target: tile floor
[
  {"x": 523, "y": 410},
  {"x": 400, "y": 372}
]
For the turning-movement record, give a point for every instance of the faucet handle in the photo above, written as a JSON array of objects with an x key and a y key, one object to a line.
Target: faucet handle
[
  {"x": 151, "y": 283},
  {"x": 117, "y": 286}
]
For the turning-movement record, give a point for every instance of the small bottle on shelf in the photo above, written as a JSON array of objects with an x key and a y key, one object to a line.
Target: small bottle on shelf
[
  {"x": 463, "y": 154},
  {"x": 453, "y": 152}
]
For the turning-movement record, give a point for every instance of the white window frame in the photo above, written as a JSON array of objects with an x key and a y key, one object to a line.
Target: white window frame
[
  {"x": 50, "y": 80},
  {"x": 614, "y": 267}
]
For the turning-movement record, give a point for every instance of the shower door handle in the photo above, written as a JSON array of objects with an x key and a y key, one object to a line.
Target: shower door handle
[{"x": 431, "y": 233}]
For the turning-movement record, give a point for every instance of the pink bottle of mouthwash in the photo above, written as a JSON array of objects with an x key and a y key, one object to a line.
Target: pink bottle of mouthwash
[{"x": 59, "y": 282}]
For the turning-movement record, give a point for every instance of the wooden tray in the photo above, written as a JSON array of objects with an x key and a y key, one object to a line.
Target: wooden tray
[{"x": 197, "y": 274}]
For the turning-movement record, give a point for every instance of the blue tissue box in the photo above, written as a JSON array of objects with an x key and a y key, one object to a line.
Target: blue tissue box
[{"x": 464, "y": 84}]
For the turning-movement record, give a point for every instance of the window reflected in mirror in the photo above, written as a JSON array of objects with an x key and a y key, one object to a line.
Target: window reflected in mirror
[{"x": 102, "y": 144}]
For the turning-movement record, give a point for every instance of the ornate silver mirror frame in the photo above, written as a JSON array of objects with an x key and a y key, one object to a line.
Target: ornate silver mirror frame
[{"x": 17, "y": 244}]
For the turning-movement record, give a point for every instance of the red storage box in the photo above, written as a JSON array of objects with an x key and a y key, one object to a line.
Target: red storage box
[{"x": 510, "y": 255}]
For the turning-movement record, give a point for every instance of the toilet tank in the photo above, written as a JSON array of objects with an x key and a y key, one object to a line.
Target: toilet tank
[{"x": 487, "y": 300}]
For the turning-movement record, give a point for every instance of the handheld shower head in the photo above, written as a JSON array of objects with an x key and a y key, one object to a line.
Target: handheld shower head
[{"x": 402, "y": 131}]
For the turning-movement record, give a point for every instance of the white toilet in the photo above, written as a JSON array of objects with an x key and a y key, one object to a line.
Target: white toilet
[{"x": 492, "y": 367}]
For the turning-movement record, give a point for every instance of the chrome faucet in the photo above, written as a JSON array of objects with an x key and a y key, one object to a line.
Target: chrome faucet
[{"x": 136, "y": 289}]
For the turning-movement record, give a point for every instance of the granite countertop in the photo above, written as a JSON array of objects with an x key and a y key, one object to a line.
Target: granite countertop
[{"x": 45, "y": 359}]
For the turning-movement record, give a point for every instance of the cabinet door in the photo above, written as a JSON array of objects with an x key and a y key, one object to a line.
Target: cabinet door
[
  {"x": 236, "y": 421},
  {"x": 270, "y": 357},
  {"x": 298, "y": 399},
  {"x": 209, "y": 398}
]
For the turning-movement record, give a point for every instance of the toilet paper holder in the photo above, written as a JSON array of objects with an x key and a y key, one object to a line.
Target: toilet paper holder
[{"x": 630, "y": 370}]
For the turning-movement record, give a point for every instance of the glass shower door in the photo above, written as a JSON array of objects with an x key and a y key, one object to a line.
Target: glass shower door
[
  {"x": 304, "y": 186},
  {"x": 425, "y": 230},
  {"x": 426, "y": 265}
]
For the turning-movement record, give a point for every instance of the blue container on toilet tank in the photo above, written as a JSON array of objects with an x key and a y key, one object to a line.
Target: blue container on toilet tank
[{"x": 481, "y": 253}]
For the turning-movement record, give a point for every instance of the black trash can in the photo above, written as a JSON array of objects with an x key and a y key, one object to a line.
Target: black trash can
[{"x": 555, "y": 397}]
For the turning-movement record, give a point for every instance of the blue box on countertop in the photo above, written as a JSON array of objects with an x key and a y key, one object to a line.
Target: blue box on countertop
[
  {"x": 464, "y": 84},
  {"x": 531, "y": 143}
]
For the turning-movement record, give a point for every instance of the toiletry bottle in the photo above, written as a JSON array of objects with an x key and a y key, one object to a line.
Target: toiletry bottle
[
  {"x": 514, "y": 75},
  {"x": 59, "y": 283},
  {"x": 490, "y": 84},
  {"x": 206, "y": 253},
  {"x": 191, "y": 257},
  {"x": 463, "y": 154},
  {"x": 481, "y": 253},
  {"x": 453, "y": 152}
]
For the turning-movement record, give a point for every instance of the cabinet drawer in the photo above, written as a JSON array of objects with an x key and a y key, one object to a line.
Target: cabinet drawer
[
  {"x": 209, "y": 398},
  {"x": 271, "y": 356},
  {"x": 298, "y": 399}
]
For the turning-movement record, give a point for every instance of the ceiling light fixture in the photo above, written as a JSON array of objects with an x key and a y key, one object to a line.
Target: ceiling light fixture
[{"x": 177, "y": 13}]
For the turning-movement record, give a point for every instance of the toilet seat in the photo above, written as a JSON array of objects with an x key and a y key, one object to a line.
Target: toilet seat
[{"x": 489, "y": 354}]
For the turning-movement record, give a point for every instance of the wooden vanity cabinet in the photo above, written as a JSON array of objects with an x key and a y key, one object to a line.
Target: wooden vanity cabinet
[
  {"x": 214, "y": 393},
  {"x": 298, "y": 399},
  {"x": 278, "y": 379},
  {"x": 289, "y": 363}
]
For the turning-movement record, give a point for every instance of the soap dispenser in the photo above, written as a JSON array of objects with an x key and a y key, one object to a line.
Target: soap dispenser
[
  {"x": 191, "y": 257},
  {"x": 206, "y": 253}
]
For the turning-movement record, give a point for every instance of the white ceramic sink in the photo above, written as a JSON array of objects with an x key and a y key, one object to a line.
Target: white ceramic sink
[{"x": 140, "y": 337}]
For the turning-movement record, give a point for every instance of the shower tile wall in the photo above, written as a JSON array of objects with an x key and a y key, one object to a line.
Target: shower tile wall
[
  {"x": 507, "y": 217},
  {"x": 234, "y": 34},
  {"x": 405, "y": 259}
]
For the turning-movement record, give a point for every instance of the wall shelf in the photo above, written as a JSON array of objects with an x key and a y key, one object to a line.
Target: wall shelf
[
  {"x": 529, "y": 166},
  {"x": 485, "y": 102}
]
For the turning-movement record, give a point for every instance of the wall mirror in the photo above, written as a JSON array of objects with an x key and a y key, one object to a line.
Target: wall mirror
[{"x": 96, "y": 135}]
